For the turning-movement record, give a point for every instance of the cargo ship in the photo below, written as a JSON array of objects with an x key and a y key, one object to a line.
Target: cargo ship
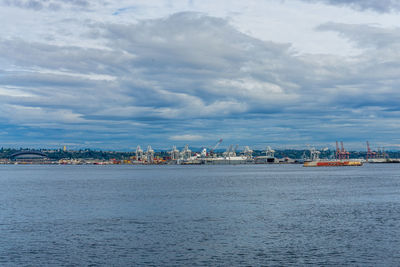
[
  {"x": 342, "y": 159},
  {"x": 332, "y": 163}
]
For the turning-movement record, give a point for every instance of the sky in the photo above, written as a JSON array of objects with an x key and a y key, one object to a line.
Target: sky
[{"x": 282, "y": 73}]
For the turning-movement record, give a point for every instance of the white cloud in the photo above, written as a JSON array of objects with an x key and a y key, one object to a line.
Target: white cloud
[{"x": 186, "y": 137}]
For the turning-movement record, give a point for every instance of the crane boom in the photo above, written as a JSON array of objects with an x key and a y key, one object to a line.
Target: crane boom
[{"x": 216, "y": 145}]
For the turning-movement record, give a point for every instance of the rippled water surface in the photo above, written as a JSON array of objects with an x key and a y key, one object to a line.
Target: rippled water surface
[{"x": 199, "y": 215}]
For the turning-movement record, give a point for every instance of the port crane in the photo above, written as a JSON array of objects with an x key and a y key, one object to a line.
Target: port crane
[
  {"x": 345, "y": 153},
  {"x": 174, "y": 153},
  {"x": 248, "y": 152},
  {"x": 215, "y": 146},
  {"x": 381, "y": 153},
  {"x": 370, "y": 154},
  {"x": 139, "y": 154},
  {"x": 378, "y": 154},
  {"x": 149, "y": 154},
  {"x": 229, "y": 152},
  {"x": 269, "y": 152},
  {"x": 341, "y": 153}
]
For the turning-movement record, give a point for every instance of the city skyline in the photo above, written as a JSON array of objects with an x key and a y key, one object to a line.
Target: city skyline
[{"x": 105, "y": 75}]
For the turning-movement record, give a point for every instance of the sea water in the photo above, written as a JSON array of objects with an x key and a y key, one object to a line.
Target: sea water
[{"x": 199, "y": 215}]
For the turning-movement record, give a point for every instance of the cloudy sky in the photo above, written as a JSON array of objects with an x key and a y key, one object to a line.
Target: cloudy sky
[{"x": 114, "y": 74}]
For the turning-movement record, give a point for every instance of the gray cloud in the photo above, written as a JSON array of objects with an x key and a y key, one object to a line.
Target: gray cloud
[
  {"x": 365, "y": 36},
  {"x": 204, "y": 56},
  {"x": 372, "y": 77},
  {"x": 381, "y": 6},
  {"x": 190, "y": 75}
]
